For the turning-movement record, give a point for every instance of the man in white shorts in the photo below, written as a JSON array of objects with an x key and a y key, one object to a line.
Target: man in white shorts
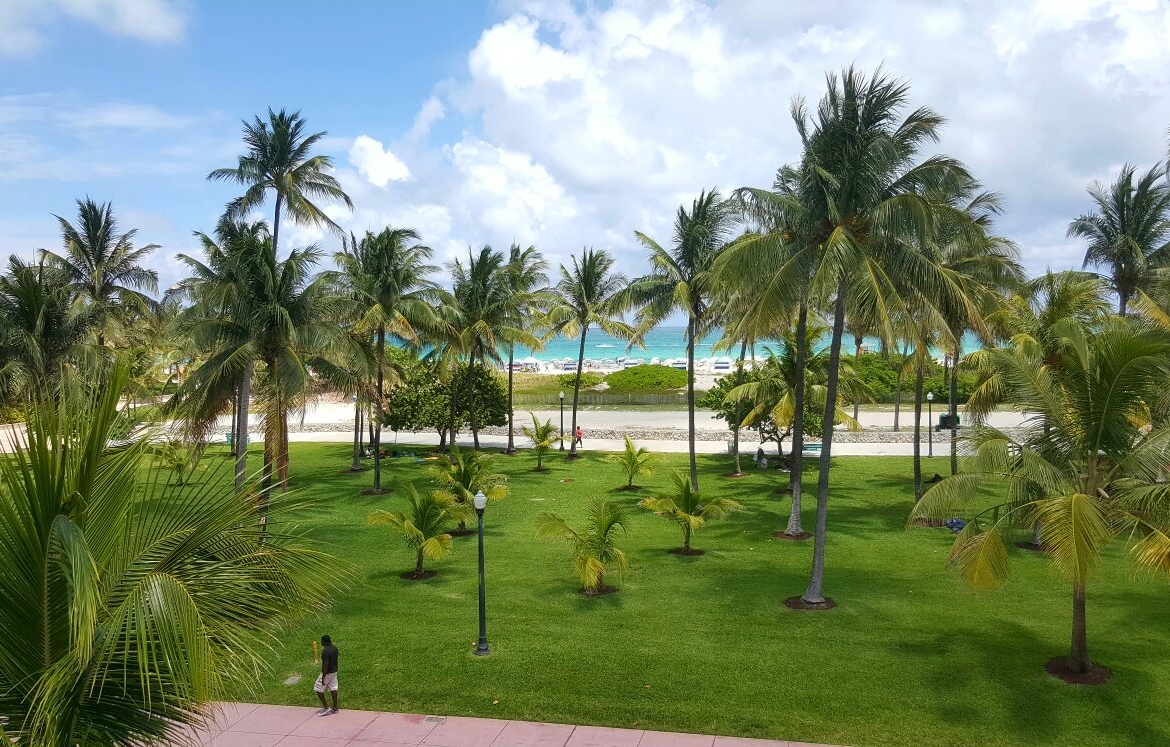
[{"x": 327, "y": 680}]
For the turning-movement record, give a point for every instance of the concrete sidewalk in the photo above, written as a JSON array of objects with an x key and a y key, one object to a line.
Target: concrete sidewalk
[{"x": 250, "y": 725}]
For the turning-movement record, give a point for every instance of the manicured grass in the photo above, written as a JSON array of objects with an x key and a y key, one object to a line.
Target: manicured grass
[{"x": 910, "y": 657}]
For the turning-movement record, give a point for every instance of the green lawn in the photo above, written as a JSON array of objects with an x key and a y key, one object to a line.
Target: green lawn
[{"x": 910, "y": 657}]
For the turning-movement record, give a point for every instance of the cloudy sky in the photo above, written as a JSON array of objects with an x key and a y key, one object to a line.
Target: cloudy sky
[{"x": 549, "y": 122}]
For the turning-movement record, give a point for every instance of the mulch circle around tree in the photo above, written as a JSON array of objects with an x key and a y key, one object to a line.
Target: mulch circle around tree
[
  {"x": 461, "y": 532},
  {"x": 417, "y": 576},
  {"x": 686, "y": 553},
  {"x": 736, "y": 475},
  {"x": 630, "y": 488},
  {"x": 1030, "y": 546},
  {"x": 783, "y": 491},
  {"x": 791, "y": 537},
  {"x": 1059, "y": 669},
  {"x": 380, "y": 491},
  {"x": 509, "y": 452},
  {"x": 797, "y": 603},
  {"x": 602, "y": 592},
  {"x": 927, "y": 523},
  {"x": 352, "y": 471}
]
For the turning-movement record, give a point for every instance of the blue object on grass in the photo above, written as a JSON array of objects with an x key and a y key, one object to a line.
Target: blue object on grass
[{"x": 955, "y": 525}]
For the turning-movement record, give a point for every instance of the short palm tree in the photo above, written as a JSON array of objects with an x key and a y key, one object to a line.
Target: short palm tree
[
  {"x": 279, "y": 158},
  {"x": 591, "y": 293},
  {"x": 103, "y": 268},
  {"x": 543, "y": 436},
  {"x": 681, "y": 279},
  {"x": 466, "y": 473},
  {"x": 686, "y": 507},
  {"x": 1129, "y": 231},
  {"x": 594, "y": 548},
  {"x": 425, "y": 527},
  {"x": 130, "y": 606},
  {"x": 1087, "y": 468},
  {"x": 635, "y": 462}
]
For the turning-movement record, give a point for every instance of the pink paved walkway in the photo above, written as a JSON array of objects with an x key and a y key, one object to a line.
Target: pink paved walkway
[{"x": 249, "y": 725}]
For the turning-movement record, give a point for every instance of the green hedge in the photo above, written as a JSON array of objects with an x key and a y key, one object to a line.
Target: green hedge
[
  {"x": 647, "y": 378},
  {"x": 588, "y": 379}
]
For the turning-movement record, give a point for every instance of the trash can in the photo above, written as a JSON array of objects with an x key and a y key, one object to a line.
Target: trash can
[{"x": 946, "y": 421}]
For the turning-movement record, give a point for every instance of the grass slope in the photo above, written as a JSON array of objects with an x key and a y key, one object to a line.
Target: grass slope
[{"x": 703, "y": 644}]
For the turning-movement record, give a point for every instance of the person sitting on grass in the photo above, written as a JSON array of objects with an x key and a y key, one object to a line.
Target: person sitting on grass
[{"x": 328, "y": 677}]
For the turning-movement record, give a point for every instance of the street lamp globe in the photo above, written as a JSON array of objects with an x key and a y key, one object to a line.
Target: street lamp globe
[
  {"x": 480, "y": 501},
  {"x": 930, "y": 396},
  {"x": 562, "y": 396}
]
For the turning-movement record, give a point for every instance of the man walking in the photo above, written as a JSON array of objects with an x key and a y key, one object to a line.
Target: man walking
[{"x": 327, "y": 680}]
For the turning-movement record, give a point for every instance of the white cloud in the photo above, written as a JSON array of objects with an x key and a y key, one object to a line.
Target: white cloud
[
  {"x": 376, "y": 163},
  {"x": 22, "y": 22},
  {"x": 432, "y": 111}
]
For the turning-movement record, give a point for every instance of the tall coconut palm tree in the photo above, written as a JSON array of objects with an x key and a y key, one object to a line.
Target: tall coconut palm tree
[
  {"x": 481, "y": 290},
  {"x": 681, "y": 279},
  {"x": 527, "y": 274},
  {"x": 385, "y": 277},
  {"x": 279, "y": 159},
  {"x": 103, "y": 268},
  {"x": 131, "y": 606},
  {"x": 590, "y": 293},
  {"x": 858, "y": 203},
  {"x": 1129, "y": 231},
  {"x": 1087, "y": 467}
]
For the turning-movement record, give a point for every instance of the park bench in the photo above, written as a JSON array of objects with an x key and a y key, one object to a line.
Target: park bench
[{"x": 811, "y": 450}]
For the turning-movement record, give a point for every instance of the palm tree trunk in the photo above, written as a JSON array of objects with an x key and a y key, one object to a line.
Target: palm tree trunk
[
  {"x": 898, "y": 389},
  {"x": 857, "y": 340},
  {"x": 241, "y": 436},
  {"x": 1122, "y": 302},
  {"x": 276, "y": 223},
  {"x": 357, "y": 435},
  {"x": 454, "y": 401},
  {"x": 954, "y": 407},
  {"x": 1078, "y": 660},
  {"x": 471, "y": 398},
  {"x": 796, "y": 465},
  {"x": 377, "y": 441},
  {"x": 577, "y": 393},
  {"x": 738, "y": 418},
  {"x": 691, "y": 324},
  {"x": 418, "y": 564},
  {"x": 686, "y": 539},
  {"x": 918, "y": 376},
  {"x": 815, "y": 592},
  {"x": 235, "y": 429},
  {"x": 511, "y": 439},
  {"x": 282, "y": 449}
]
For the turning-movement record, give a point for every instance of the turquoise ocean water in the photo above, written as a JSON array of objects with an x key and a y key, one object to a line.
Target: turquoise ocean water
[{"x": 663, "y": 343}]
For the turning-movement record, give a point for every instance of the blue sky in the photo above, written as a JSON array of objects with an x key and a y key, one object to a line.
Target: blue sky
[{"x": 546, "y": 121}]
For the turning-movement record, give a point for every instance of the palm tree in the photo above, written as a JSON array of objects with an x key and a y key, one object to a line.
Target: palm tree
[
  {"x": 279, "y": 158},
  {"x": 635, "y": 461},
  {"x": 527, "y": 276},
  {"x": 684, "y": 506},
  {"x": 594, "y": 548},
  {"x": 1129, "y": 232},
  {"x": 466, "y": 473},
  {"x": 1087, "y": 468},
  {"x": 385, "y": 278},
  {"x": 680, "y": 279},
  {"x": 103, "y": 268},
  {"x": 543, "y": 436},
  {"x": 425, "y": 527},
  {"x": 481, "y": 290},
  {"x": 590, "y": 294},
  {"x": 120, "y": 592},
  {"x": 858, "y": 205},
  {"x": 40, "y": 329}
]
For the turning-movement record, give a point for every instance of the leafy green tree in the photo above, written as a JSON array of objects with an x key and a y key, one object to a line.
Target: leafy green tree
[
  {"x": 1129, "y": 230},
  {"x": 466, "y": 473},
  {"x": 680, "y": 279},
  {"x": 129, "y": 606},
  {"x": 591, "y": 293},
  {"x": 103, "y": 269},
  {"x": 684, "y": 506},
  {"x": 594, "y": 546},
  {"x": 384, "y": 276},
  {"x": 1086, "y": 469},
  {"x": 425, "y": 527},
  {"x": 635, "y": 462},
  {"x": 543, "y": 436}
]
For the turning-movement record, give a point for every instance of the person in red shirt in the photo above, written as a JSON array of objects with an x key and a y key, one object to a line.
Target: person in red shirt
[{"x": 580, "y": 433}]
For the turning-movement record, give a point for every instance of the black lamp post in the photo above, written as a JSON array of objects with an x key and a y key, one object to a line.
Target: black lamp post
[
  {"x": 562, "y": 421},
  {"x": 930, "y": 422},
  {"x": 481, "y": 648}
]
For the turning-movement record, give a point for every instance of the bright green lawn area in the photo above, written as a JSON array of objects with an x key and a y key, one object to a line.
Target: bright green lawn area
[{"x": 910, "y": 657}]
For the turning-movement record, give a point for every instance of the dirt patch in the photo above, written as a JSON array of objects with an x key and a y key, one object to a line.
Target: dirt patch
[
  {"x": 417, "y": 575},
  {"x": 380, "y": 491},
  {"x": 1059, "y": 668},
  {"x": 791, "y": 537},
  {"x": 797, "y": 603},
  {"x": 1030, "y": 546},
  {"x": 352, "y": 471},
  {"x": 602, "y": 592},
  {"x": 686, "y": 553}
]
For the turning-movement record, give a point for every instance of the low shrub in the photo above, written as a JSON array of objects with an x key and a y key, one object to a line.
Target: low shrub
[{"x": 647, "y": 378}]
